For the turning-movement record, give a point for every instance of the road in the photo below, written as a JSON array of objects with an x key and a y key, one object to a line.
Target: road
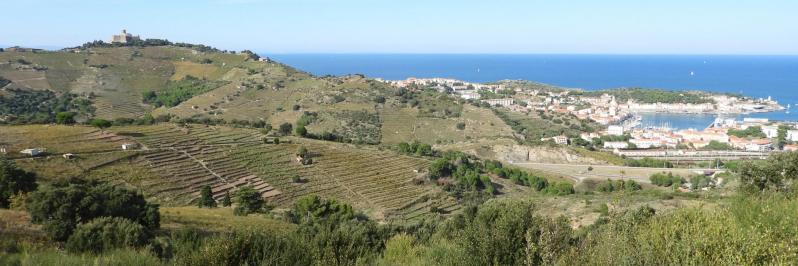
[{"x": 580, "y": 172}]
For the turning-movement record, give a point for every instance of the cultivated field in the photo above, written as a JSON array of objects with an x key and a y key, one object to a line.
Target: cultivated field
[{"x": 172, "y": 163}]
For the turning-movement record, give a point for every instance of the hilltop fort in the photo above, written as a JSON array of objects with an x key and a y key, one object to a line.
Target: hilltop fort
[{"x": 124, "y": 37}]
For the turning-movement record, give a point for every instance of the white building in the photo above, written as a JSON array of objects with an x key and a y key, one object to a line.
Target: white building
[
  {"x": 758, "y": 147},
  {"x": 646, "y": 143},
  {"x": 562, "y": 140},
  {"x": 792, "y": 135},
  {"x": 31, "y": 152},
  {"x": 470, "y": 95},
  {"x": 771, "y": 131},
  {"x": 755, "y": 120},
  {"x": 129, "y": 146},
  {"x": 616, "y": 145},
  {"x": 615, "y": 130},
  {"x": 501, "y": 102}
]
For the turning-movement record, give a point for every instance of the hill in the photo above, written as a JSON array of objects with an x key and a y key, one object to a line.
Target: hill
[{"x": 200, "y": 84}]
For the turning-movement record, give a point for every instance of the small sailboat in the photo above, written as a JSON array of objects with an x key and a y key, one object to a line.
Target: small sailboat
[{"x": 692, "y": 73}]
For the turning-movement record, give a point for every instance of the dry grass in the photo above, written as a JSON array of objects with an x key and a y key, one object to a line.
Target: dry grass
[
  {"x": 183, "y": 69},
  {"x": 57, "y": 139},
  {"x": 217, "y": 220}
]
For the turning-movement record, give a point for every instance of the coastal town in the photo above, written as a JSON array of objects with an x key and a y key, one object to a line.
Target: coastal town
[{"x": 623, "y": 134}]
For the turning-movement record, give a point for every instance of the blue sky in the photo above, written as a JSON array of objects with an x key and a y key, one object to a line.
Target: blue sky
[{"x": 418, "y": 26}]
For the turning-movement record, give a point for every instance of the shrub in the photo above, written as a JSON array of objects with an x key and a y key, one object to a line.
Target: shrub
[
  {"x": 206, "y": 198},
  {"x": 666, "y": 180},
  {"x": 560, "y": 189},
  {"x": 285, "y": 129},
  {"x": 461, "y": 126},
  {"x": 65, "y": 118},
  {"x": 102, "y": 124},
  {"x": 250, "y": 248},
  {"x": 107, "y": 233},
  {"x": 301, "y": 131},
  {"x": 61, "y": 206},
  {"x": 227, "y": 201},
  {"x": 248, "y": 200},
  {"x": 13, "y": 181}
]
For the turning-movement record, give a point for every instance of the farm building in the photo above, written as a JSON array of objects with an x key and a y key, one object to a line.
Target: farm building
[
  {"x": 129, "y": 146},
  {"x": 31, "y": 152}
]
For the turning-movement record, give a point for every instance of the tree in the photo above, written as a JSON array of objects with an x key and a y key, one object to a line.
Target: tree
[
  {"x": 107, "y": 233},
  {"x": 777, "y": 173},
  {"x": 439, "y": 168},
  {"x": 312, "y": 208},
  {"x": 248, "y": 200},
  {"x": 226, "y": 201},
  {"x": 206, "y": 197},
  {"x": 285, "y": 129},
  {"x": 60, "y": 207},
  {"x": 14, "y": 181},
  {"x": 102, "y": 124},
  {"x": 65, "y": 118},
  {"x": 301, "y": 131},
  {"x": 266, "y": 129},
  {"x": 379, "y": 99}
]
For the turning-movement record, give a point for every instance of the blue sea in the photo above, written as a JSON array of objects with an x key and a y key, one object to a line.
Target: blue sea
[{"x": 756, "y": 76}]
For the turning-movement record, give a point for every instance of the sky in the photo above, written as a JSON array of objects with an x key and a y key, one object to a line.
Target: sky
[{"x": 419, "y": 26}]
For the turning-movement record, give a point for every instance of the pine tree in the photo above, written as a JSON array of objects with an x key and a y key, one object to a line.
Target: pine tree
[
  {"x": 226, "y": 201},
  {"x": 206, "y": 198}
]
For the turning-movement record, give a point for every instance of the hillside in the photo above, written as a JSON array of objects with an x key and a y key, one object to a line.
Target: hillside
[
  {"x": 172, "y": 163},
  {"x": 198, "y": 84}
]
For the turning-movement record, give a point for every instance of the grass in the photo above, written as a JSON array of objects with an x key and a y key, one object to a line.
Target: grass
[
  {"x": 57, "y": 139},
  {"x": 218, "y": 220}
]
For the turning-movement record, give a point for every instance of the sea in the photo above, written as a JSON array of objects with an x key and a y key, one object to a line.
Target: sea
[{"x": 750, "y": 75}]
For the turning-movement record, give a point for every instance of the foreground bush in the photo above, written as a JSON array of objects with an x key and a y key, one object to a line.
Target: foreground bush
[
  {"x": 264, "y": 248},
  {"x": 107, "y": 233},
  {"x": 13, "y": 181},
  {"x": 59, "y": 208}
]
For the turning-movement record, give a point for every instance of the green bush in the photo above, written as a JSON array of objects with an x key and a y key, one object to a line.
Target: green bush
[
  {"x": 285, "y": 129},
  {"x": 248, "y": 201},
  {"x": 61, "y": 206},
  {"x": 666, "y": 180},
  {"x": 14, "y": 181},
  {"x": 206, "y": 198},
  {"x": 263, "y": 248},
  {"x": 107, "y": 233}
]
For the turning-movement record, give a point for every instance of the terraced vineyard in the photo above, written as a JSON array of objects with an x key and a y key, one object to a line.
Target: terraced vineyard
[
  {"x": 174, "y": 162},
  {"x": 379, "y": 182},
  {"x": 189, "y": 158}
]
